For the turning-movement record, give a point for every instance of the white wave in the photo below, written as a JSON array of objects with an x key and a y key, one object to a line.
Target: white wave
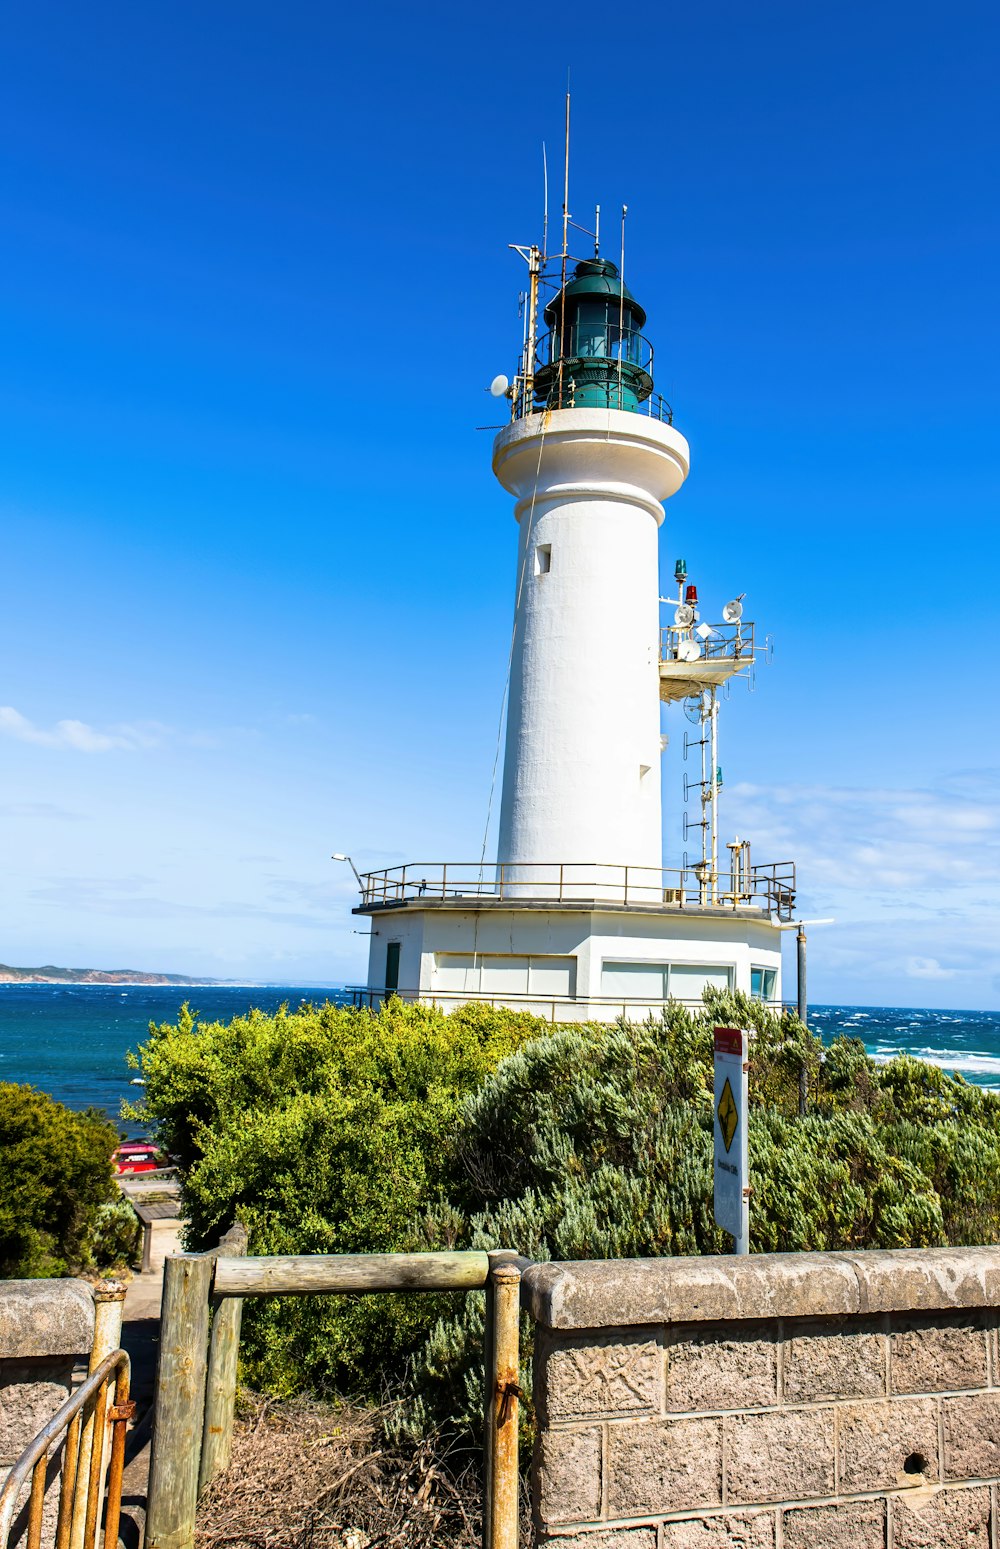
[{"x": 968, "y": 1063}]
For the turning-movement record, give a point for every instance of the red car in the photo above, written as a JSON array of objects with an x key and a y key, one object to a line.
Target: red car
[{"x": 137, "y": 1156}]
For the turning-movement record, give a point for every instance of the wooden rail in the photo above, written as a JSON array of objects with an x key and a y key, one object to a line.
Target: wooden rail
[
  {"x": 295, "y": 1275},
  {"x": 196, "y": 1379}
]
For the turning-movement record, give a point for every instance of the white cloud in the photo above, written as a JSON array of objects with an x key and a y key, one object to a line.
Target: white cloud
[
  {"x": 912, "y": 877},
  {"x": 80, "y": 737},
  {"x": 927, "y": 968},
  {"x": 874, "y": 841}
]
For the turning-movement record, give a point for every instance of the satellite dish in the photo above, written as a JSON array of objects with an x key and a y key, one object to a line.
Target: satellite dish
[
  {"x": 688, "y": 651},
  {"x": 499, "y": 386},
  {"x": 733, "y": 611},
  {"x": 683, "y": 616},
  {"x": 692, "y": 709}
]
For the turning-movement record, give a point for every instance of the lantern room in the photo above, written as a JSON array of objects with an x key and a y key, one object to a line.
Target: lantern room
[{"x": 594, "y": 355}]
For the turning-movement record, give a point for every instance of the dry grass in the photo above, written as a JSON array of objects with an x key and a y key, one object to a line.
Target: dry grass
[{"x": 314, "y": 1476}]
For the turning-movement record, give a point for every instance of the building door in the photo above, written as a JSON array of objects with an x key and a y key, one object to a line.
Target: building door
[{"x": 392, "y": 968}]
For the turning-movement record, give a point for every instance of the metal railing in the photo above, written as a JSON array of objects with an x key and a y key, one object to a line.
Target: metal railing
[
  {"x": 724, "y": 642},
  {"x": 82, "y": 1420},
  {"x": 767, "y": 888},
  {"x": 555, "y": 1008}
]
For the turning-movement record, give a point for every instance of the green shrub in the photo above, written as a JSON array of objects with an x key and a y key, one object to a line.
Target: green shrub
[
  {"x": 55, "y": 1174},
  {"x": 597, "y": 1143},
  {"x": 325, "y": 1130},
  {"x": 336, "y": 1131},
  {"x": 117, "y": 1236}
]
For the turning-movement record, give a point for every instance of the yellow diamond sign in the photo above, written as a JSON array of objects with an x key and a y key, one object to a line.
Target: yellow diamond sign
[{"x": 728, "y": 1115}]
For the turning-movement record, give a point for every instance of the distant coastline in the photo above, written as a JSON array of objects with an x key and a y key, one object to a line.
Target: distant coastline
[{"x": 49, "y": 974}]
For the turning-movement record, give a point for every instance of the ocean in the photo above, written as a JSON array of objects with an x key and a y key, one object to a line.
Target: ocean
[{"x": 71, "y": 1040}]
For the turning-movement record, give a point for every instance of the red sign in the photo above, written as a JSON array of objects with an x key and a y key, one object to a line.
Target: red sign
[{"x": 729, "y": 1040}]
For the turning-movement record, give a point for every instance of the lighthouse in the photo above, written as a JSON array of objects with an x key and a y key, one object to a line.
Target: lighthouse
[
  {"x": 582, "y": 766},
  {"x": 576, "y": 917}
]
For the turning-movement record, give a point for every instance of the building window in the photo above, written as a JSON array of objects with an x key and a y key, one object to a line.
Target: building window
[
  {"x": 658, "y": 982},
  {"x": 763, "y": 982},
  {"x": 505, "y": 976},
  {"x": 543, "y": 559}
]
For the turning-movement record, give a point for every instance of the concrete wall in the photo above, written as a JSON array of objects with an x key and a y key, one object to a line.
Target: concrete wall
[
  {"x": 591, "y": 937},
  {"x": 799, "y": 1401},
  {"x": 46, "y": 1336}
]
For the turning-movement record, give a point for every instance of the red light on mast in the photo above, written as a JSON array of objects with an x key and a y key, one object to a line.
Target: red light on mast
[{"x": 691, "y": 596}]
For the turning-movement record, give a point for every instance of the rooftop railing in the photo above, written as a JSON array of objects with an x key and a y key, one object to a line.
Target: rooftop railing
[
  {"x": 555, "y": 1008},
  {"x": 770, "y": 889}
]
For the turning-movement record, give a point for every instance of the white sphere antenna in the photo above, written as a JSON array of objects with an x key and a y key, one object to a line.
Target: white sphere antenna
[
  {"x": 688, "y": 651},
  {"x": 500, "y": 386}
]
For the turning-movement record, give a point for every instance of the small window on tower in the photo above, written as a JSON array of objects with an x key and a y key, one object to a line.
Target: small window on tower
[{"x": 543, "y": 559}]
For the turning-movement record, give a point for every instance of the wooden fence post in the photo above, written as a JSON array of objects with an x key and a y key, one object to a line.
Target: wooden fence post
[
  {"x": 496, "y": 1256},
  {"x": 223, "y": 1360},
  {"x": 503, "y": 1500},
  {"x": 180, "y": 1402}
]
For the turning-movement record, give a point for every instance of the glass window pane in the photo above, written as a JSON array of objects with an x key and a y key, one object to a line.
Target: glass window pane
[
  {"x": 552, "y": 976},
  {"x": 633, "y": 981},
  {"x": 762, "y": 983},
  {"x": 687, "y": 980}
]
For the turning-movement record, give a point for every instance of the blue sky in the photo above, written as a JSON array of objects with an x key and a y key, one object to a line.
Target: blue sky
[{"x": 257, "y": 576}]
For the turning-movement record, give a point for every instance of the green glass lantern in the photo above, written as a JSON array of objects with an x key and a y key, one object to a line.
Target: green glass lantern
[{"x": 594, "y": 355}]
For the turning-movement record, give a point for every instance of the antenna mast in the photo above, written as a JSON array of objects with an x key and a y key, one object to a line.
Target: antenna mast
[
  {"x": 565, "y": 254},
  {"x": 621, "y": 307}
]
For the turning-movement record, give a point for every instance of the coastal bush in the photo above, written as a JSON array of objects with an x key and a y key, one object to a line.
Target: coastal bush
[
  {"x": 325, "y": 1130},
  {"x": 597, "y": 1143},
  {"x": 55, "y": 1176},
  {"x": 117, "y": 1236},
  {"x": 334, "y": 1131}
]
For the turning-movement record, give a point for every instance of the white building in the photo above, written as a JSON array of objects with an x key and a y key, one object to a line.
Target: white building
[{"x": 577, "y": 918}]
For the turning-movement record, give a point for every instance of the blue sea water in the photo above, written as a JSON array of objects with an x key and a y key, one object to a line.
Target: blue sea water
[{"x": 71, "y": 1040}]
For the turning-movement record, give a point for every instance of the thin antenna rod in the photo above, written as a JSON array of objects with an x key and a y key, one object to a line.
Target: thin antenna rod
[
  {"x": 545, "y": 204},
  {"x": 621, "y": 308},
  {"x": 597, "y": 232},
  {"x": 565, "y": 253}
]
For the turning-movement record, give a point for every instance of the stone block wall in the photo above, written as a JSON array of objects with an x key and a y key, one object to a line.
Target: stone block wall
[
  {"x": 800, "y": 1401},
  {"x": 46, "y": 1336}
]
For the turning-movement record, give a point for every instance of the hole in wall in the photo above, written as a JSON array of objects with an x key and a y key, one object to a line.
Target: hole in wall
[
  {"x": 916, "y": 1463},
  {"x": 543, "y": 559}
]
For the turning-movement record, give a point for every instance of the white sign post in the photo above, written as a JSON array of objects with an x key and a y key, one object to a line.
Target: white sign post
[{"x": 732, "y": 1191}]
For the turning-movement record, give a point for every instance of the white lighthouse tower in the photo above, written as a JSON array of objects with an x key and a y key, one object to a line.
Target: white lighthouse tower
[
  {"x": 578, "y": 918},
  {"x": 582, "y": 766}
]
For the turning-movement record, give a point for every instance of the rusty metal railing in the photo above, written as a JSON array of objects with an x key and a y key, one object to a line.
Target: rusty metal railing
[
  {"x": 770, "y": 888},
  {"x": 82, "y": 1423},
  {"x": 554, "y": 1008}
]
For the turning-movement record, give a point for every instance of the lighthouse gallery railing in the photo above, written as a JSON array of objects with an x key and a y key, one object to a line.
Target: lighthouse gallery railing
[{"x": 768, "y": 888}]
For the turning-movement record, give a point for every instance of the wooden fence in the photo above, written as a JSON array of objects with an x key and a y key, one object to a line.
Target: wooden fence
[{"x": 202, "y": 1310}]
